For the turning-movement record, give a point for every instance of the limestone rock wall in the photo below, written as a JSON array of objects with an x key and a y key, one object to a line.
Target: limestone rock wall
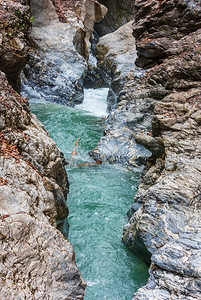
[
  {"x": 165, "y": 216},
  {"x": 60, "y": 52},
  {"x": 36, "y": 261}
]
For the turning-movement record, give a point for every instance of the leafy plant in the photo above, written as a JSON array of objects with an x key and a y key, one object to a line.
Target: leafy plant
[
  {"x": 20, "y": 26},
  {"x": 31, "y": 19}
]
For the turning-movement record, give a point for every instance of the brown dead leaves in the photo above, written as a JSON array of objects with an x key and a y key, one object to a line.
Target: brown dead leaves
[
  {"x": 7, "y": 150},
  {"x": 3, "y": 181}
]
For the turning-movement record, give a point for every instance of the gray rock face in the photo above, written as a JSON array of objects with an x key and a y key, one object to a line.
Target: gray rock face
[
  {"x": 116, "y": 59},
  {"x": 153, "y": 144},
  {"x": 36, "y": 261},
  {"x": 166, "y": 214},
  {"x": 58, "y": 60},
  {"x": 164, "y": 220},
  {"x": 55, "y": 69},
  {"x": 133, "y": 116},
  {"x": 119, "y": 13},
  {"x": 116, "y": 53},
  {"x": 158, "y": 24}
]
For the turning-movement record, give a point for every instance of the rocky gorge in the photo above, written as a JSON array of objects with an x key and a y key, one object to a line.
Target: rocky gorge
[{"x": 148, "y": 54}]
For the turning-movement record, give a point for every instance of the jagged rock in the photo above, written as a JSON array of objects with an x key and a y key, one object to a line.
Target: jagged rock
[
  {"x": 155, "y": 145},
  {"x": 116, "y": 60},
  {"x": 164, "y": 220},
  {"x": 55, "y": 69},
  {"x": 119, "y": 13},
  {"x": 116, "y": 53},
  {"x": 57, "y": 66},
  {"x": 92, "y": 12},
  {"x": 169, "y": 212},
  {"x": 14, "y": 24},
  {"x": 159, "y": 23},
  {"x": 36, "y": 260}
]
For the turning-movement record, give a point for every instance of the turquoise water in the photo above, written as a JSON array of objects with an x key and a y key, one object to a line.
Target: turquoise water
[{"x": 99, "y": 198}]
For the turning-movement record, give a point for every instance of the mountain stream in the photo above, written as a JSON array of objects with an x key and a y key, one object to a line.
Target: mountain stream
[{"x": 99, "y": 197}]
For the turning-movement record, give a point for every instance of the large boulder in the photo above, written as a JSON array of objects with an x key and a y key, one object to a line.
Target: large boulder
[{"x": 119, "y": 13}]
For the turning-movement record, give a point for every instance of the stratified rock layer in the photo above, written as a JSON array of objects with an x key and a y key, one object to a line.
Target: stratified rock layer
[
  {"x": 159, "y": 23},
  {"x": 59, "y": 58},
  {"x": 164, "y": 220},
  {"x": 36, "y": 261},
  {"x": 116, "y": 54}
]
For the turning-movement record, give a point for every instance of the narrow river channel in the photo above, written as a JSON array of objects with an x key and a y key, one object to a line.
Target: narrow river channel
[{"x": 99, "y": 198}]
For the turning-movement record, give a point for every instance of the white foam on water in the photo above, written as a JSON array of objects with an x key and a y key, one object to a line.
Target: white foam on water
[
  {"x": 95, "y": 102},
  {"x": 92, "y": 283}
]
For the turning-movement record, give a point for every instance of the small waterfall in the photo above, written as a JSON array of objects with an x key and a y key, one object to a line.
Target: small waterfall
[
  {"x": 98, "y": 199},
  {"x": 95, "y": 102}
]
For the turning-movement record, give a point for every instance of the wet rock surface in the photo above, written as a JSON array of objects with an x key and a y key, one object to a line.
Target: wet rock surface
[
  {"x": 58, "y": 60},
  {"x": 156, "y": 123},
  {"x": 164, "y": 220},
  {"x": 116, "y": 54}
]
